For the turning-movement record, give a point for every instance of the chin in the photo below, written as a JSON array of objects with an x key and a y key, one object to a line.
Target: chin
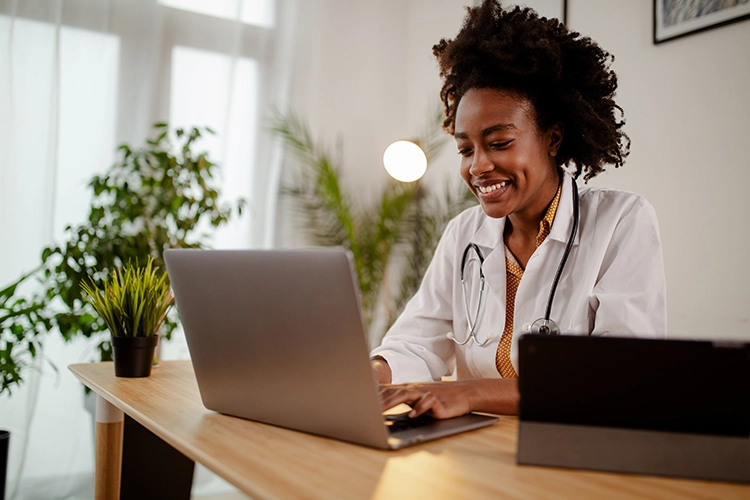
[{"x": 494, "y": 211}]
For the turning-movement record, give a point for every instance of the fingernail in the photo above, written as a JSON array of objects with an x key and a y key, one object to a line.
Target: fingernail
[{"x": 413, "y": 413}]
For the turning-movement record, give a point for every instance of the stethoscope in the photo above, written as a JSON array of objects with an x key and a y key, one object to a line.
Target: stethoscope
[{"x": 542, "y": 326}]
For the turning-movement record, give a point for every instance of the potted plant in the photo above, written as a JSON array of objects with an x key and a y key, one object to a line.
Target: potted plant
[
  {"x": 4, "y": 443},
  {"x": 163, "y": 195},
  {"x": 133, "y": 303},
  {"x": 22, "y": 321}
]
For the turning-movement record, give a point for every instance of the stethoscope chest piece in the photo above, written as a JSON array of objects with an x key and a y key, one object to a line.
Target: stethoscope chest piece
[{"x": 544, "y": 326}]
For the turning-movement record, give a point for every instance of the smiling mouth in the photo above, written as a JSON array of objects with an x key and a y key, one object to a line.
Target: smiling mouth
[{"x": 492, "y": 187}]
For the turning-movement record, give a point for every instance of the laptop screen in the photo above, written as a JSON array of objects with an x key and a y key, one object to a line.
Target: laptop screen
[{"x": 666, "y": 385}]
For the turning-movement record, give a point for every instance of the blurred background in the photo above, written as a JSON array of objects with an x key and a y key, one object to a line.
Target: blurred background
[{"x": 79, "y": 77}]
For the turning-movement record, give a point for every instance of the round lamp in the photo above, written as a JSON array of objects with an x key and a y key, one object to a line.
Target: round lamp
[{"x": 405, "y": 161}]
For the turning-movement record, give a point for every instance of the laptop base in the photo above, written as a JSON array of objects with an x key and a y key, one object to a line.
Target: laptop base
[
  {"x": 437, "y": 429},
  {"x": 685, "y": 455}
]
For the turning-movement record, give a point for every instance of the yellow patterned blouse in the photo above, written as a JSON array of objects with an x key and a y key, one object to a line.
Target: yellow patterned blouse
[{"x": 513, "y": 275}]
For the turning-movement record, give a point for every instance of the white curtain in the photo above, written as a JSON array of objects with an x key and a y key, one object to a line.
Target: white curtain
[{"x": 78, "y": 78}]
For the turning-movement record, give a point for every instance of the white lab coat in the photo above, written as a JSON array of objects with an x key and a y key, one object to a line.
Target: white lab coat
[{"x": 613, "y": 283}]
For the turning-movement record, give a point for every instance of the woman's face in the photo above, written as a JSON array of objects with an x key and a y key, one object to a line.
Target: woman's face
[{"x": 506, "y": 161}]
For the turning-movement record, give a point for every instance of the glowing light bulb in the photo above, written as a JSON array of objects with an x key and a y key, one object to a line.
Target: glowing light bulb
[{"x": 405, "y": 161}]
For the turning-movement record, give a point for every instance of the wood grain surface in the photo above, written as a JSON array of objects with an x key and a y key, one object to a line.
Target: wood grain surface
[
  {"x": 108, "y": 460},
  {"x": 265, "y": 461}
]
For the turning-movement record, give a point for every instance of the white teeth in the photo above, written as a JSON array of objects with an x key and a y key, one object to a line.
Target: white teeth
[{"x": 489, "y": 189}]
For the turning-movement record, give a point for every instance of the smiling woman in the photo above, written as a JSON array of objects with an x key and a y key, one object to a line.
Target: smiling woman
[
  {"x": 531, "y": 107},
  {"x": 493, "y": 127}
]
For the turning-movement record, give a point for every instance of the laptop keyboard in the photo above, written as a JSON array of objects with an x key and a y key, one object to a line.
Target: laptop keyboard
[{"x": 402, "y": 422}]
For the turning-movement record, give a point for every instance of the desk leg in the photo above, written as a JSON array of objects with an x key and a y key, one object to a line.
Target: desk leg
[
  {"x": 151, "y": 468},
  {"x": 109, "y": 429}
]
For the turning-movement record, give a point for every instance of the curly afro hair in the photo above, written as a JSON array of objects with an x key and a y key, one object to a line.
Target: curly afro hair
[{"x": 565, "y": 76}]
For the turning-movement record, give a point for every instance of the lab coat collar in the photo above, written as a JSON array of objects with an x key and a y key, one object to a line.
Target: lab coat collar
[
  {"x": 489, "y": 235},
  {"x": 563, "y": 223}
]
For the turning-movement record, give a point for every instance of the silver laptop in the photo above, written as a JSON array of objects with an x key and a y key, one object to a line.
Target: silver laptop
[{"x": 277, "y": 336}]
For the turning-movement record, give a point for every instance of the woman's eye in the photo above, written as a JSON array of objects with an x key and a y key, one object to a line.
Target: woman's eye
[
  {"x": 500, "y": 145},
  {"x": 464, "y": 152}
]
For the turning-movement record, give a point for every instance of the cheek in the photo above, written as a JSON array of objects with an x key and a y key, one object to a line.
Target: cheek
[
  {"x": 535, "y": 154},
  {"x": 464, "y": 170}
]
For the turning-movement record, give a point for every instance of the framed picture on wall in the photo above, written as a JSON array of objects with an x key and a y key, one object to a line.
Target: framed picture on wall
[{"x": 677, "y": 18}]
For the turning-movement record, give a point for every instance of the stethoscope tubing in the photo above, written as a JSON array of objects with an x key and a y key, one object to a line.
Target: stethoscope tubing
[
  {"x": 472, "y": 324},
  {"x": 545, "y": 321},
  {"x": 568, "y": 247}
]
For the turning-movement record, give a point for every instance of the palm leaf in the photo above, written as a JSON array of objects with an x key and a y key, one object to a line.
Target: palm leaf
[
  {"x": 318, "y": 189},
  {"x": 407, "y": 220},
  {"x": 426, "y": 226}
]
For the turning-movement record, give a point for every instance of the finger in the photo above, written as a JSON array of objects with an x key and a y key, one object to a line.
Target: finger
[
  {"x": 424, "y": 404},
  {"x": 390, "y": 397},
  {"x": 393, "y": 396}
]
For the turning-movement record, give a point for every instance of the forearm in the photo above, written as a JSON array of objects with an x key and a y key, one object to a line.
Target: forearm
[
  {"x": 451, "y": 399},
  {"x": 498, "y": 396},
  {"x": 381, "y": 370}
]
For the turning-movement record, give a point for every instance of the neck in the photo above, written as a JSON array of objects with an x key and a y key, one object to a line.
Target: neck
[{"x": 525, "y": 224}]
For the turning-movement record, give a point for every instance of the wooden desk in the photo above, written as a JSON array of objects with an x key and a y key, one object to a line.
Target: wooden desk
[{"x": 269, "y": 462}]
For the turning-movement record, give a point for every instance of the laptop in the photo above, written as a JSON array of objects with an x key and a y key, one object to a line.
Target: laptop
[
  {"x": 665, "y": 407},
  {"x": 277, "y": 336}
]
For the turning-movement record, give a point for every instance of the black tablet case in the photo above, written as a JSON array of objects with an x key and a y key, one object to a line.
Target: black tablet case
[{"x": 665, "y": 407}]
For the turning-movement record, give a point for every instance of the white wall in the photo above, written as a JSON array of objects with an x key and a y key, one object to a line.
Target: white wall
[
  {"x": 365, "y": 74},
  {"x": 687, "y": 103},
  {"x": 365, "y": 77}
]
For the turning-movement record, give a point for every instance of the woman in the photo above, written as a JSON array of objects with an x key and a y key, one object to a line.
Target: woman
[{"x": 524, "y": 99}]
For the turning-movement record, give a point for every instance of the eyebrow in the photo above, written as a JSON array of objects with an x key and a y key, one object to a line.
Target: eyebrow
[{"x": 488, "y": 130}]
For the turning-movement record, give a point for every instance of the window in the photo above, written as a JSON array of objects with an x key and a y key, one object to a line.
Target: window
[
  {"x": 255, "y": 12},
  {"x": 77, "y": 78}
]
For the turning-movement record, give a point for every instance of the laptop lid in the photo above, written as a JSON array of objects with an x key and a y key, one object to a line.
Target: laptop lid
[
  {"x": 663, "y": 385},
  {"x": 277, "y": 336}
]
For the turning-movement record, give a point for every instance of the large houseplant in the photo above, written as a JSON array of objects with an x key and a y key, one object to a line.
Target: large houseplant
[
  {"x": 160, "y": 196},
  {"x": 404, "y": 225},
  {"x": 23, "y": 319}
]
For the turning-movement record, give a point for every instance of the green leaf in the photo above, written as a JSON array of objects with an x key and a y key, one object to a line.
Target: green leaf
[{"x": 133, "y": 217}]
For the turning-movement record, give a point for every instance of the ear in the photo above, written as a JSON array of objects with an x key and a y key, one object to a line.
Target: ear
[{"x": 554, "y": 138}]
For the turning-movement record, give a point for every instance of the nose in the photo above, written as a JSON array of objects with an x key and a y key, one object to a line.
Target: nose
[{"x": 481, "y": 163}]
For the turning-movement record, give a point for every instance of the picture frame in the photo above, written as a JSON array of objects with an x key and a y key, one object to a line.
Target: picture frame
[{"x": 679, "y": 18}]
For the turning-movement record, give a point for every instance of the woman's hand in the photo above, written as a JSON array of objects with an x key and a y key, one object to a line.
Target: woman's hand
[
  {"x": 451, "y": 399},
  {"x": 438, "y": 399}
]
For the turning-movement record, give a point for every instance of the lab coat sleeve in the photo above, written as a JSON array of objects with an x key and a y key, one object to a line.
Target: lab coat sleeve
[
  {"x": 416, "y": 347},
  {"x": 629, "y": 297}
]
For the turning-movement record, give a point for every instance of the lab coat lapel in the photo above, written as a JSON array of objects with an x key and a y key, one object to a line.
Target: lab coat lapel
[{"x": 563, "y": 223}]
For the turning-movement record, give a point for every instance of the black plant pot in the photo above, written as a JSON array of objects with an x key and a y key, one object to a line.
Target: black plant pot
[
  {"x": 4, "y": 441},
  {"x": 133, "y": 355}
]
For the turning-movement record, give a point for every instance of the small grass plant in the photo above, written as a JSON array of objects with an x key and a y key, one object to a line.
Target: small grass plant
[
  {"x": 133, "y": 301},
  {"x": 162, "y": 195}
]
